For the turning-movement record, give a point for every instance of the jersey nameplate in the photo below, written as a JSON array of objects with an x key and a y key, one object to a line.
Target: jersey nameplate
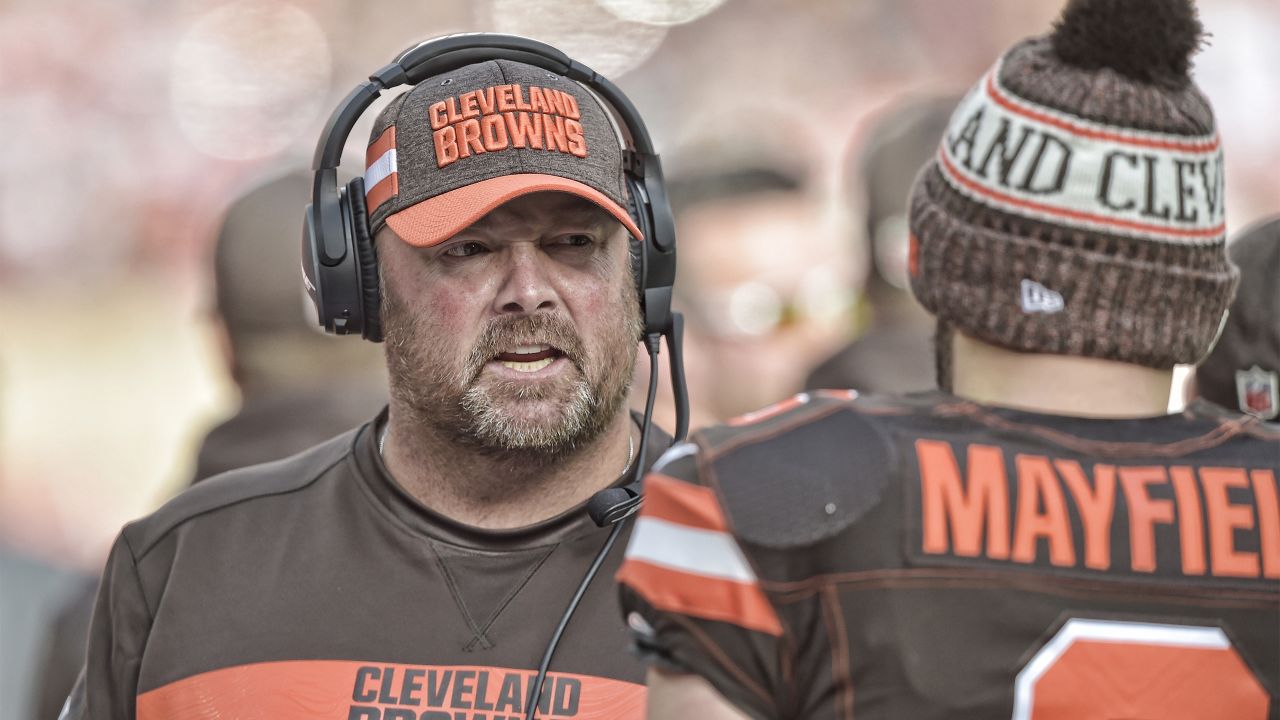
[{"x": 978, "y": 504}]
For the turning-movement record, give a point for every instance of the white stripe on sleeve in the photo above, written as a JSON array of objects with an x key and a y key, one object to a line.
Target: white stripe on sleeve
[{"x": 693, "y": 550}]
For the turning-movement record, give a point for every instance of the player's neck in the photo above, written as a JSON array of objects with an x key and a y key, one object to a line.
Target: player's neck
[
  {"x": 496, "y": 492},
  {"x": 1057, "y": 384}
]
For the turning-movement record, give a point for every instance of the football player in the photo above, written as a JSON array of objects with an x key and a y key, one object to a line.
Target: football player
[{"x": 1040, "y": 539}]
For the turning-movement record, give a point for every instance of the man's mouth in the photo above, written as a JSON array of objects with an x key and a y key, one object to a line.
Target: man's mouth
[{"x": 528, "y": 358}]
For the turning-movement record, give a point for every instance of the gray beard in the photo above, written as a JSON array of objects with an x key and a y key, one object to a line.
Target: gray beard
[
  {"x": 482, "y": 423},
  {"x": 489, "y": 426},
  {"x": 453, "y": 406},
  {"x": 456, "y": 408}
]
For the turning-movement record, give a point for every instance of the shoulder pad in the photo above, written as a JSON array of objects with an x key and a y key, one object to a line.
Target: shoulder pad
[{"x": 798, "y": 473}]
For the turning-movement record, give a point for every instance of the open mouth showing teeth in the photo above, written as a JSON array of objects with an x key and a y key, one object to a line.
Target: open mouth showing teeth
[{"x": 528, "y": 358}]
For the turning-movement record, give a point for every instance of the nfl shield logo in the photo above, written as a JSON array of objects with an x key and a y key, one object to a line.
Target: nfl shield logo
[{"x": 1258, "y": 391}]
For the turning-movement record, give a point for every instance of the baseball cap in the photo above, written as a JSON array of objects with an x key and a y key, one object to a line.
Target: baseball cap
[{"x": 462, "y": 143}]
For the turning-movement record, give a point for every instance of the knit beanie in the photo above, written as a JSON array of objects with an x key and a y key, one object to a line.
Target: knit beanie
[{"x": 1075, "y": 204}]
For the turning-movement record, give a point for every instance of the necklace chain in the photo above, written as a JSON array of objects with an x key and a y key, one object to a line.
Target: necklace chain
[{"x": 631, "y": 451}]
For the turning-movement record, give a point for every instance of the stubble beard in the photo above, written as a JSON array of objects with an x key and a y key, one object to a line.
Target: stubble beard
[{"x": 488, "y": 415}]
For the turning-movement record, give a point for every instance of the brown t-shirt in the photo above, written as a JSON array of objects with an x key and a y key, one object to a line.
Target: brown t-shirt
[
  {"x": 316, "y": 587},
  {"x": 930, "y": 558}
]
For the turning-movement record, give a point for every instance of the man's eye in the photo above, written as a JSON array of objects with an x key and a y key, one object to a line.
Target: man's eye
[
  {"x": 466, "y": 249},
  {"x": 578, "y": 240}
]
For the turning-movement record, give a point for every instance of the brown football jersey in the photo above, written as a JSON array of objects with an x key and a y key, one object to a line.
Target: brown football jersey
[
  {"x": 316, "y": 587},
  {"x": 927, "y": 558}
]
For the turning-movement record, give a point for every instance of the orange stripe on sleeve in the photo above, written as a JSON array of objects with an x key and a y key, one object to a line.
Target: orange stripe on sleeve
[
  {"x": 683, "y": 503},
  {"x": 700, "y": 596}
]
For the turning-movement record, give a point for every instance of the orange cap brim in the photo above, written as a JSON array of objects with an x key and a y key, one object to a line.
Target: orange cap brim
[{"x": 437, "y": 219}]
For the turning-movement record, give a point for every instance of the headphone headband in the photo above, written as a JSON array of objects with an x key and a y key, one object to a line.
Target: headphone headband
[
  {"x": 331, "y": 250},
  {"x": 451, "y": 52},
  {"x": 442, "y": 55},
  {"x": 448, "y": 53}
]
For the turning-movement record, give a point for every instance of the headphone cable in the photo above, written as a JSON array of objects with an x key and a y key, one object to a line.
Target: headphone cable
[
  {"x": 652, "y": 343},
  {"x": 535, "y": 693}
]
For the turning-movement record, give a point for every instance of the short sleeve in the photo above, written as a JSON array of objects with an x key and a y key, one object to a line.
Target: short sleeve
[
  {"x": 690, "y": 594},
  {"x": 107, "y": 687}
]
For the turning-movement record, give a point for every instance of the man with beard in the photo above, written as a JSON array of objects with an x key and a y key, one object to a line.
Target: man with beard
[{"x": 419, "y": 566}]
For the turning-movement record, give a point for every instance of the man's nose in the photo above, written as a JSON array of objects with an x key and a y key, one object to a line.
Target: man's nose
[{"x": 526, "y": 285}]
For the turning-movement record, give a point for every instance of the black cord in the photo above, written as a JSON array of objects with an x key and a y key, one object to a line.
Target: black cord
[
  {"x": 535, "y": 693},
  {"x": 618, "y": 516},
  {"x": 679, "y": 389},
  {"x": 653, "y": 343}
]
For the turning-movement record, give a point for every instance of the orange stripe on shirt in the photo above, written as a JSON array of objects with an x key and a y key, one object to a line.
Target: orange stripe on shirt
[
  {"x": 683, "y": 503},
  {"x": 699, "y": 596},
  {"x": 298, "y": 689}
]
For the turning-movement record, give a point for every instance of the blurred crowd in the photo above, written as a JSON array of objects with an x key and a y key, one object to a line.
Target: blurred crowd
[{"x": 156, "y": 318}]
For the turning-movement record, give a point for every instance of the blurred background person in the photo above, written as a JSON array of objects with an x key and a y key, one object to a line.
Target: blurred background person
[
  {"x": 764, "y": 282},
  {"x": 288, "y": 402},
  {"x": 895, "y": 352},
  {"x": 766, "y": 278},
  {"x": 1243, "y": 371},
  {"x": 31, "y": 591}
]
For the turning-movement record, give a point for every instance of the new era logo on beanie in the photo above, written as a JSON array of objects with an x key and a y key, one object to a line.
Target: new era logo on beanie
[
  {"x": 1089, "y": 161},
  {"x": 1038, "y": 298},
  {"x": 459, "y": 145}
]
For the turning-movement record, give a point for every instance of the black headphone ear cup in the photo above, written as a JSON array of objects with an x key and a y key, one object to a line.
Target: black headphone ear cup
[
  {"x": 636, "y": 247},
  {"x": 366, "y": 261}
]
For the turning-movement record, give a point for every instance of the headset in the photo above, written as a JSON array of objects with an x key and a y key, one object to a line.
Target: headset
[{"x": 340, "y": 264}]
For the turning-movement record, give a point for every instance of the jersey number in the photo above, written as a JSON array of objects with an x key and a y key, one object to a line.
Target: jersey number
[{"x": 1102, "y": 669}]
